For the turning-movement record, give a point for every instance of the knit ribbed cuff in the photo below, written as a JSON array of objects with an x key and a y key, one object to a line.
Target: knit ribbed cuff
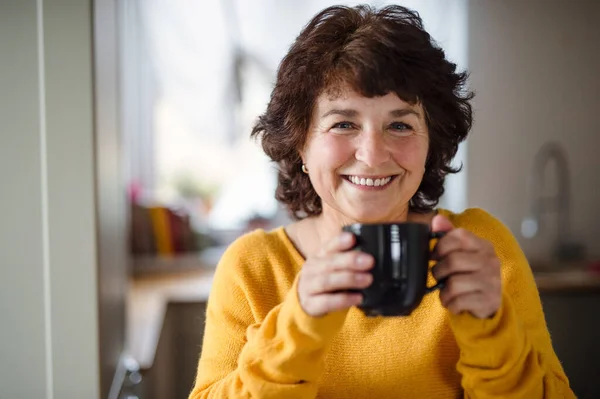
[{"x": 489, "y": 343}]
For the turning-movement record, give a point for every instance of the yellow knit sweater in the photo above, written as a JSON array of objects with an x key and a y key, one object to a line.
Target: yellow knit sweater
[{"x": 259, "y": 343}]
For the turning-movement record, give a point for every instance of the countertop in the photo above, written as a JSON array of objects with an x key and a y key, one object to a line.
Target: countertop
[
  {"x": 189, "y": 280},
  {"x": 562, "y": 277},
  {"x": 147, "y": 300}
]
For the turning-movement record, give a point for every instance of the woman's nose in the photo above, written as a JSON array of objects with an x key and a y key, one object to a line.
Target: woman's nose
[{"x": 371, "y": 149}]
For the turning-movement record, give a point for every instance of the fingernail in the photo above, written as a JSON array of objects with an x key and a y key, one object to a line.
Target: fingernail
[
  {"x": 345, "y": 238},
  {"x": 363, "y": 260}
]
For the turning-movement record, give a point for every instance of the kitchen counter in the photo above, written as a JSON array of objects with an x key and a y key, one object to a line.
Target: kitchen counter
[
  {"x": 147, "y": 300},
  {"x": 572, "y": 276},
  {"x": 150, "y": 293},
  {"x": 567, "y": 280}
]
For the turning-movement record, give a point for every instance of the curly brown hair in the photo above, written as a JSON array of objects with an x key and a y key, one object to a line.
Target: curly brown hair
[{"x": 375, "y": 52}]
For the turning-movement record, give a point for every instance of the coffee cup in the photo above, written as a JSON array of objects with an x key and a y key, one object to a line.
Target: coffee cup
[{"x": 402, "y": 254}]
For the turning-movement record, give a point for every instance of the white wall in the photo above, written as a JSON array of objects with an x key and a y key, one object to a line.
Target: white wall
[
  {"x": 48, "y": 283},
  {"x": 534, "y": 66},
  {"x": 24, "y": 331}
]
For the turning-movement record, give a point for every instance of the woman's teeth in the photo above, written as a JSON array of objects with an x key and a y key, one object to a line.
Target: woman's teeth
[{"x": 361, "y": 181}]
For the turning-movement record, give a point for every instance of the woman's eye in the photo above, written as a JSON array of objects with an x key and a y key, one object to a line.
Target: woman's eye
[
  {"x": 401, "y": 126},
  {"x": 342, "y": 125}
]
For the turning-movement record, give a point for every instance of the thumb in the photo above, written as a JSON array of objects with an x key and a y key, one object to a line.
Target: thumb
[{"x": 441, "y": 223}]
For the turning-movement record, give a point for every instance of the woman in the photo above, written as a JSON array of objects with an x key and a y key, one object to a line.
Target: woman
[{"x": 364, "y": 120}]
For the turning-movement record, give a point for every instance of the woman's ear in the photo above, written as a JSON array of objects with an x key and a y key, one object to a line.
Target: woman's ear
[{"x": 302, "y": 157}]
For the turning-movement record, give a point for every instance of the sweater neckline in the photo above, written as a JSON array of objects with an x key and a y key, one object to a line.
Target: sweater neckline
[{"x": 289, "y": 245}]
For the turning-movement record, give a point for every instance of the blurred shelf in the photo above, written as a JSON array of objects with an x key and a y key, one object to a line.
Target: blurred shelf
[{"x": 153, "y": 264}]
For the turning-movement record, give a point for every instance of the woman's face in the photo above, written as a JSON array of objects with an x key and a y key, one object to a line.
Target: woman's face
[{"x": 366, "y": 156}]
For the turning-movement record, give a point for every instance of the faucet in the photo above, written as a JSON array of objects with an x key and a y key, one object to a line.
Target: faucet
[{"x": 565, "y": 249}]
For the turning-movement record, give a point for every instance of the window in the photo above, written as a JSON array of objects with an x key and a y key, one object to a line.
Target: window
[{"x": 195, "y": 77}]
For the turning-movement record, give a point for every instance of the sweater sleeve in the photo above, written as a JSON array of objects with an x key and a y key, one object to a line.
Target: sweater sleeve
[
  {"x": 280, "y": 356},
  {"x": 511, "y": 354}
]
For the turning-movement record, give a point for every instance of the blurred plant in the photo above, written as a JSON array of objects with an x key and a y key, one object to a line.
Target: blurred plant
[{"x": 189, "y": 185}]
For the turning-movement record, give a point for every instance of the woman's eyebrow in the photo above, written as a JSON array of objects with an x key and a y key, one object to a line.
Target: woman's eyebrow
[
  {"x": 348, "y": 113},
  {"x": 398, "y": 113}
]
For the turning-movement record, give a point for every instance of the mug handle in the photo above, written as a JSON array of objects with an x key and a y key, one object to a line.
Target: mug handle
[{"x": 442, "y": 283}]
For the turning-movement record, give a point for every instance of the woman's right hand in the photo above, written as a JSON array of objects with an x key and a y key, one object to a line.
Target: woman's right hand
[{"x": 325, "y": 279}]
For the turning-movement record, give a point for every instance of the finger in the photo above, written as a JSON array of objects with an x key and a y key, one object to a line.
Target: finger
[
  {"x": 458, "y": 240},
  {"x": 476, "y": 303},
  {"x": 460, "y": 284},
  {"x": 320, "y": 305},
  {"x": 457, "y": 262},
  {"x": 342, "y": 242},
  {"x": 441, "y": 223},
  {"x": 337, "y": 281},
  {"x": 352, "y": 260}
]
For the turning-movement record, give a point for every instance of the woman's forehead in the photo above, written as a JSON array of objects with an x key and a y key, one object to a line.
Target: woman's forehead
[{"x": 348, "y": 97}]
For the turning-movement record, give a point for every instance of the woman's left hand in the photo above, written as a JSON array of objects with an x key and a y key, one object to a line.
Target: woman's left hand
[{"x": 472, "y": 270}]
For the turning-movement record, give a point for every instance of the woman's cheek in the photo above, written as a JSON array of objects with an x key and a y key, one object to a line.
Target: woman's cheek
[
  {"x": 411, "y": 154},
  {"x": 336, "y": 149}
]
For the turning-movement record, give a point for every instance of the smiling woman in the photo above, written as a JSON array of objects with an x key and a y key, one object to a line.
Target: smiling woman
[{"x": 364, "y": 120}]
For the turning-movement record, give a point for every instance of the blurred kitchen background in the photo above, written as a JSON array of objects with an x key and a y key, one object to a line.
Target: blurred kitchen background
[{"x": 126, "y": 168}]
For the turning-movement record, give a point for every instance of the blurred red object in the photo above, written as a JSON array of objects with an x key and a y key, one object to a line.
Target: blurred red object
[{"x": 594, "y": 267}]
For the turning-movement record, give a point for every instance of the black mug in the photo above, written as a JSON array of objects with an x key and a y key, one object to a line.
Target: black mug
[{"x": 401, "y": 252}]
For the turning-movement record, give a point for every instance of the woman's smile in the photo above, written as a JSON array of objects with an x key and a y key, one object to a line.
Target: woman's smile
[{"x": 370, "y": 183}]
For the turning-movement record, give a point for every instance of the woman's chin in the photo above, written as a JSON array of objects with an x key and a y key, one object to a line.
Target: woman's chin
[
  {"x": 371, "y": 218},
  {"x": 361, "y": 212}
]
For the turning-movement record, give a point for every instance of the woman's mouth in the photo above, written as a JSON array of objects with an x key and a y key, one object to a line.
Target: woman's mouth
[{"x": 372, "y": 182}]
